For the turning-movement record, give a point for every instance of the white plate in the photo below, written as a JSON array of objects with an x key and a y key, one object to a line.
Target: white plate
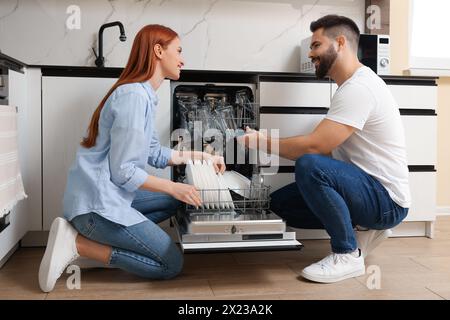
[
  {"x": 203, "y": 176},
  {"x": 211, "y": 177},
  {"x": 204, "y": 172},
  {"x": 237, "y": 182},
  {"x": 192, "y": 176},
  {"x": 225, "y": 193},
  {"x": 190, "y": 173},
  {"x": 204, "y": 184}
]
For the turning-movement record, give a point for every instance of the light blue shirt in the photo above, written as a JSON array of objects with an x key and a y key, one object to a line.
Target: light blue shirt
[{"x": 104, "y": 178}]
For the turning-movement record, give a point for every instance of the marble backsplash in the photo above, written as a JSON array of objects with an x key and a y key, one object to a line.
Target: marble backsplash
[{"x": 257, "y": 35}]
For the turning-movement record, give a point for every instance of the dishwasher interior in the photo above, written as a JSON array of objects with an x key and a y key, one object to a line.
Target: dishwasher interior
[{"x": 209, "y": 117}]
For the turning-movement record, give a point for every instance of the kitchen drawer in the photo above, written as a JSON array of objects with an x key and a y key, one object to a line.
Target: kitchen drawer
[
  {"x": 415, "y": 97},
  {"x": 295, "y": 94},
  {"x": 422, "y": 187},
  {"x": 410, "y": 97},
  {"x": 420, "y": 134},
  {"x": 421, "y": 139},
  {"x": 289, "y": 125}
]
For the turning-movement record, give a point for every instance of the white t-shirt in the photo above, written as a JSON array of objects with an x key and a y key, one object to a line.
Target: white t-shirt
[{"x": 378, "y": 145}]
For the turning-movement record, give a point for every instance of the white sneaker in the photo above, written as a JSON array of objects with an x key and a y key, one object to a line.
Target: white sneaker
[
  {"x": 60, "y": 252},
  {"x": 335, "y": 267},
  {"x": 370, "y": 239}
]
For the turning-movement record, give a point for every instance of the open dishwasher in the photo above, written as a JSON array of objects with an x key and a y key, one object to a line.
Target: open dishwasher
[{"x": 209, "y": 117}]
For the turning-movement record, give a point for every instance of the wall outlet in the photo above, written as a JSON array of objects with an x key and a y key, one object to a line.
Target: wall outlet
[{"x": 4, "y": 222}]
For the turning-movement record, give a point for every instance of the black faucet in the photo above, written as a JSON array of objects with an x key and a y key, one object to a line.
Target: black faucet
[{"x": 100, "y": 60}]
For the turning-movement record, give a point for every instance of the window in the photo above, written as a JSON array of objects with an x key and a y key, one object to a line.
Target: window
[{"x": 429, "y": 43}]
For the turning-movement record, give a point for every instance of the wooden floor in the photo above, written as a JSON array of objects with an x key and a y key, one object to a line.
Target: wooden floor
[{"x": 410, "y": 268}]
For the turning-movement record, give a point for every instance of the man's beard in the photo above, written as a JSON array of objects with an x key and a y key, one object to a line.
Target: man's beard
[{"x": 326, "y": 62}]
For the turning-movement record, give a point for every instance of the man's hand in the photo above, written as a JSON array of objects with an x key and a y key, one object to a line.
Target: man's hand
[
  {"x": 327, "y": 136},
  {"x": 254, "y": 139}
]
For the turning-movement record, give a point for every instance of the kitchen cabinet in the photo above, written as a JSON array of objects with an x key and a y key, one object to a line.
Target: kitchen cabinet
[
  {"x": 422, "y": 186},
  {"x": 421, "y": 139},
  {"x": 67, "y": 106},
  {"x": 289, "y": 125},
  {"x": 420, "y": 132},
  {"x": 422, "y": 97},
  {"x": 295, "y": 94},
  {"x": 295, "y": 104},
  {"x": 417, "y": 101}
]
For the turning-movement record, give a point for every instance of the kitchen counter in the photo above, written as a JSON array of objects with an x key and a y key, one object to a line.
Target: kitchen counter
[
  {"x": 11, "y": 63},
  {"x": 214, "y": 76}
]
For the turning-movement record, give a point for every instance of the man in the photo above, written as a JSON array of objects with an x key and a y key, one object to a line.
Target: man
[{"x": 365, "y": 184}]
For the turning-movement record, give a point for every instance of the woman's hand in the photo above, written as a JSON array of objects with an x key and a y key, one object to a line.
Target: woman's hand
[
  {"x": 218, "y": 163},
  {"x": 183, "y": 157},
  {"x": 186, "y": 193}
]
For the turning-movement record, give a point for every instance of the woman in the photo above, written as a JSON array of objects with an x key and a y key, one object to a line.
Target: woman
[{"x": 111, "y": 204}]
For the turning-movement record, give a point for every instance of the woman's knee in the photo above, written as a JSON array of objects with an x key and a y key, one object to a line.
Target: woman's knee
[
  {"x": 174, "y": 264},
  {"x": 84, "y": 224},
  {"x": 170, "y": 266},
  {"x": 171, "y": 204}
]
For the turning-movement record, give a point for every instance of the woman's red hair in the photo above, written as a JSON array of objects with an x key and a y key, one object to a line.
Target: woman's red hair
[{"x": 140, "y": 67}]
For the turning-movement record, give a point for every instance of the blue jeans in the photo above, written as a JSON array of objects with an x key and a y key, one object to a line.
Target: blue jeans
[
  {"x": 335, "y": 196},
  {"x": 143, "y": 249}
]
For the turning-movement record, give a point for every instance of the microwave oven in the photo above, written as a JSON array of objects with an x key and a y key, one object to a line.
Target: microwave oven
[{"x": 373, "y": 51}]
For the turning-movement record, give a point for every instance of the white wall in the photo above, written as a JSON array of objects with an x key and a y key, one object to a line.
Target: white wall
[{"x": 257, "y": 35}]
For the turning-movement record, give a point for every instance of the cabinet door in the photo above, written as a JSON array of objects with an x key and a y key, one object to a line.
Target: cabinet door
[
  {"x": 420, "y": 134},
  {"x": 295, "y": 94},
  {"x": 410, "y": 96},
  {"x": 421, "y": 140},
  {"x": 422, "y": 186},
  {"x": 163, "y": 116},
  {"x": 415, "y": 97},
  {"x": 289, "y": 125},
  {"x": 67, "y": 107}
]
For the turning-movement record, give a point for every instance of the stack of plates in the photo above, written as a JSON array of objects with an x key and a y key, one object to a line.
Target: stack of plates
[{"x": 212, "y": 186}]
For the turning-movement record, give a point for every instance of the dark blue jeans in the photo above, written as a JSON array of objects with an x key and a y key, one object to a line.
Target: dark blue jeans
[
  {"x": 335, "y": 196},
  {"x": 143, "y": 249}
]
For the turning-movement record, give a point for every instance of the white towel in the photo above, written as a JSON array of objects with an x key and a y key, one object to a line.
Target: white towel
[{"x": 11, "y": 185}]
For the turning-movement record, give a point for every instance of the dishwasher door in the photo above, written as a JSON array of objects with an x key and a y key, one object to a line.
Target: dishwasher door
[
  {"x": 249, "y": 234},
  {"x": 233, "y": 229}
]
